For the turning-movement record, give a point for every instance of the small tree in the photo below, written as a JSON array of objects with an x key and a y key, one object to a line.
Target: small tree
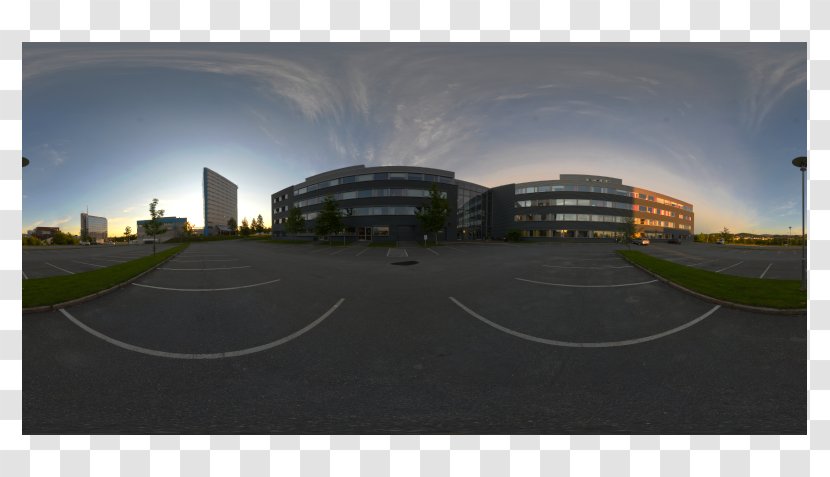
[
  {"x": 433, "y": 216},
  {"x": 259, "y": 226},
  {"x": 725, "y": 234},
  {"x": 232, "y": 225},
  {"x": 127, "y": 232},
  {"x": 329, "y": 219},
  {"x": 154, "y": 226},
  {"x": 629, "y": 230},
  {"x": 295, "y": 223},
  {"x": 245, "y": 229},
  {"x": 187, "y": 229}
]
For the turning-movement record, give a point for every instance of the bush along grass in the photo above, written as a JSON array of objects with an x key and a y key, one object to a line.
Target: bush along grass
[
  {"x": 780, "y": 294},
  {"x": 53, "y": 290}
]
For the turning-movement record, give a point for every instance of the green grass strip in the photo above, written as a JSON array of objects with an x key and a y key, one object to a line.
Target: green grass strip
[
  {"x": 781, "y": 294},
  {"x": 52, "y": 290}
]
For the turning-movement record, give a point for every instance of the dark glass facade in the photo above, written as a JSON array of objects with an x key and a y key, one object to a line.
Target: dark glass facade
[{"x": 95, "y": 228}]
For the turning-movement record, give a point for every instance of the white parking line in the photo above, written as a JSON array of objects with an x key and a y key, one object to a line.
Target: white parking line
[
  {"x": 59, "y": 268},
  {"x": 90, "y": 264},
  {"x": 24, "y": 275},
  {"x": 433, "y": 251},
  {"x": 338, "y": 251},
  {"x": 457, "y": 249},
  {"x": 584, "y": 286},
  {"x": 205, "y": 289},
  {"x": 589, "y": 268},
  {"x": 571, "y": 344},
  {"x": 112, "y": 260},
  {"x": 765, "y": 271},
  {"x": 362, "y": 252},
  {"x": 727, "y": 268},
  {"x": 199, "y": 261},
  {"x": 228, "y": 354},
  {"x": 202, "y": 269}
]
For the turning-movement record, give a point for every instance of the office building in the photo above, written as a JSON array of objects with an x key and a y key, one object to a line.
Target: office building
[
  {"x": 174, "y": 228},
  {"x": 93, "y": 228},
  {"x": 219, "y": 195},
  {"x": 379, "y": 203}
]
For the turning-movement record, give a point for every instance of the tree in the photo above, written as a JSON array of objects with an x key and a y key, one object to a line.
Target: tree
[
  {"x": 259, "y": 226},
  {"x": 187, "y": 229},
  {"x": 433, "y": 216},
  {"x": 232, "y": 225},
  {"x": 127, "y": 232},
  {"x": 725, "y": 234},
  {"x": 329, "y": 218},
  {"x": 154, "y": 226},
  {"x": 245, "y": 229},
  {"x": 629, "y": 231},
  {"x": 295, "y": 223}
]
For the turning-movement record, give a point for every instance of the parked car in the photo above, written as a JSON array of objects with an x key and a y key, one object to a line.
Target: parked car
[
  {"x": 641, "y": 241},
  {"x": 675, "y": 241},
  {"x": 83, "y": 243},
  {"x": 720, "y": 242}
]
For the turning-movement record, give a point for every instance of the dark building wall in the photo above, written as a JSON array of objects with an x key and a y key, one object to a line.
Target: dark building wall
[{"x": 501, "y": 201}]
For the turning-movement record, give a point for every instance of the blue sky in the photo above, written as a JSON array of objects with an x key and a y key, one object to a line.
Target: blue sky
[{"x": 111, "y": 126}]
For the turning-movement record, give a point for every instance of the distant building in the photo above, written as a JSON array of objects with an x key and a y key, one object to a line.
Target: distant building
[
  {"x": 94, "y": 228},
  {"x": 220, "y": 202},
  {"x": 44, "y": 233},
  {"x": 174, "y": 226}
]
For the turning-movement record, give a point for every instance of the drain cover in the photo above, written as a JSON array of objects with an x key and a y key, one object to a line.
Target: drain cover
[{"x": 408, "y": 262}]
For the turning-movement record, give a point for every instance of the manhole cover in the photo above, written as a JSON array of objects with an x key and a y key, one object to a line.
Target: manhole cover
[{"x": 408, "y": 262}]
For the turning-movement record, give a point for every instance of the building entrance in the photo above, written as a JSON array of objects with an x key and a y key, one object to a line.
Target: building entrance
[{"x": 364, "y": 233}]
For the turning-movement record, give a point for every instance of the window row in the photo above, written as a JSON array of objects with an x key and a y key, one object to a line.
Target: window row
[
  {"x": 600, "y": 203},
  {"x": 619, "y": 219},
  {"x": 368, "y": 193},
  {"x": 599, "y": 190},
  {"x": 366, "y": 211},
  {"x": 378, "y": 176},
  {"x": 614, "y": 234}
]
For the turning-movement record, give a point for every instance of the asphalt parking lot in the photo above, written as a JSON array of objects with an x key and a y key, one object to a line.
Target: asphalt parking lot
[
  {"x": 485, "y": 338},
  {"x": 39, "y": 262}
]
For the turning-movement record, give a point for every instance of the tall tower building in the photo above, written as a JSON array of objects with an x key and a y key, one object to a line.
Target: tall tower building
[
  {"x": 219, "y": 196},
  {"x": 93, "y": 228}
]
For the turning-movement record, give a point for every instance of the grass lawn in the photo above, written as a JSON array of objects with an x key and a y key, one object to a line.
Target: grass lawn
[
  {"x": 782, "y": 294},
  {"x": 52, "y": 290}
]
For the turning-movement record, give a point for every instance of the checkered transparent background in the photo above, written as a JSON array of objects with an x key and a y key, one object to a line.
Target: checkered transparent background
[{"x": 414, "y": 20}]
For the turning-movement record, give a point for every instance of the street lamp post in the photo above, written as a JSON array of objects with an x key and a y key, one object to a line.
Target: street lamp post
[{"x": 801, "y": 163}]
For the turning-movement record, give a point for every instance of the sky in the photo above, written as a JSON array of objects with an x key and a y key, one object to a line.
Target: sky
[{"x": 109, "y": 127}]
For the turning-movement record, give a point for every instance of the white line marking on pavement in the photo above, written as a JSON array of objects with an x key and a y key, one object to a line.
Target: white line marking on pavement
[
  {"x": 202, "y": 269},
  {"x": 111, "y": 260},
  {"x": 338, "y": 251},
  {"x": 585, "y": 286},
  {"x": 589, "y": 268},
  {"x": 362, "y": 252},
  {"x": 727, "y": 268},
  {"x": 59, "y": 268},
  {"x": 24, "y": 275},
  {"x": 199, "y": 261},
  {"x": 765, "y": 271},
  {"x": 456, "y": 249},
  {"x": 571, "y": 344},
  {"x": 405, "y": 253},
  {"x": 228, "y": 354},
  {"x": 433, "y": 251},
  {"x": 205, "y": 289},
  {"x": 90, "y": 264},
  {"x": 388, "y": 251}
]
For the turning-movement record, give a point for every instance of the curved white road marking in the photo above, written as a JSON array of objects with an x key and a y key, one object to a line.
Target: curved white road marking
[
  {"x": 584, "y": 286},
  {"x": 589, "y": 268},
  {"x": 228, "y": 354},
  {"x": 202, "y": 269},
  {"x": 205, "y": 289},
  {"x": 572, "y": 344},
  {"x": 59, "y": 268},
  {"x": 727, "y": 268}
]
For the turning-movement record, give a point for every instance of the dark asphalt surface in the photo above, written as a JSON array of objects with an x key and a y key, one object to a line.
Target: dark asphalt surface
[
  {"x": 748, "y": 261},
  {"x": 47, "y": 261},
  {"x": 398, "y": 356}
]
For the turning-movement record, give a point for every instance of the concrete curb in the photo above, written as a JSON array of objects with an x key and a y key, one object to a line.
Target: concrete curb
[
  {"x": 39, "y": 309},
  {"x": 758, "y": 309}
]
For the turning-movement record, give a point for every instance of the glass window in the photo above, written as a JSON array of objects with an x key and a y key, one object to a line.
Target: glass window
[
  {"x": 543, "y": 189},
  {"x": 379, "y": 176},
  {"x": 584, "y": 202},
  {"x": 363, "y": 194},
  {"x": 381, "y": 230},
  {"x": 570, "y": 201},
  {"x": 398, "y": 175},
  {"x": 583, "y": 218},
  {"x": 347, "y": 180},
  {"x": 365, "y": 177},
  {"x": 415, "y": 177},
  {"x": 349, "y": 195}
]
